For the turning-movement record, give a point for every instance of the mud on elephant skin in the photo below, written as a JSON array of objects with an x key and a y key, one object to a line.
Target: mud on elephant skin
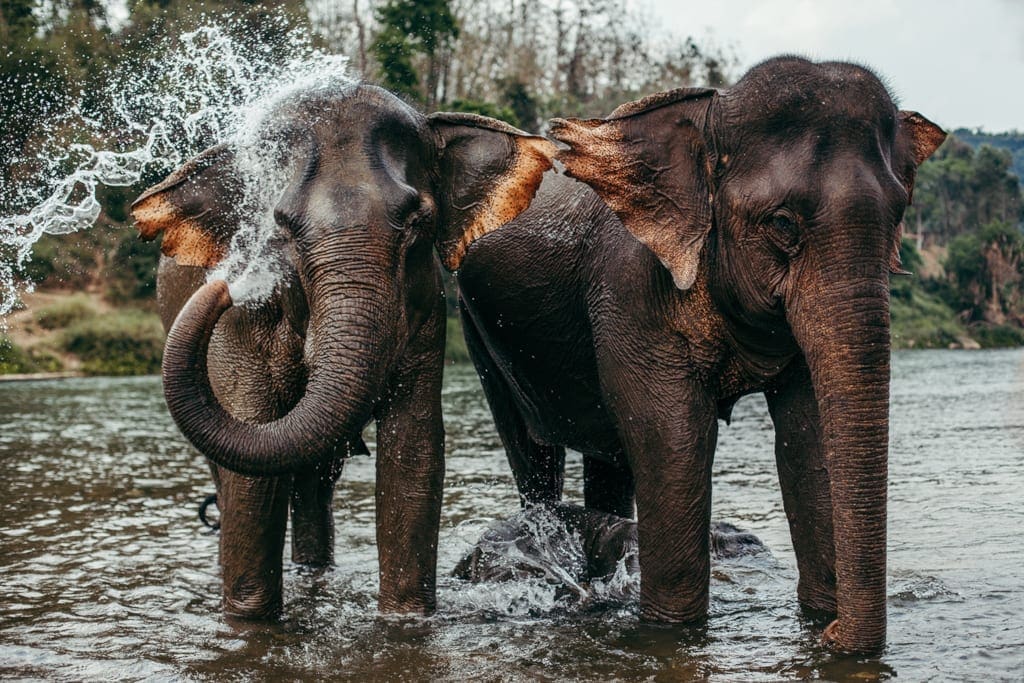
[
  {"x": 734, "y": 241},
  {"x": 275, "y": 393},
  {"x": 573, "y": 546}
]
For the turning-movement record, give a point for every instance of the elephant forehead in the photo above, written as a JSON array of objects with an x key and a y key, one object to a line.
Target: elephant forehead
[{"x": 333, "y": 203}]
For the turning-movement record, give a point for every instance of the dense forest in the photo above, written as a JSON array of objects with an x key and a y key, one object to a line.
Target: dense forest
[
  {"x": 1012, "y": 142},
  {"x": 523, "y": 61}
]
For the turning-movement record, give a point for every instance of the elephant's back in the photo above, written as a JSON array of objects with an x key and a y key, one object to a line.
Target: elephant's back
[
  {"x": 175, "y": 284},
  {"x": 525, "y": 290}
]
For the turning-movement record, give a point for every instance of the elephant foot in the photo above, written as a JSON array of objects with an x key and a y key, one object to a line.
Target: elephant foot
[
  {"x": 421, "y": 605},
  {"x": 653, "y": 615},
  {"x": 818, "y": 608},
  {"x": 251, "y": 599}
]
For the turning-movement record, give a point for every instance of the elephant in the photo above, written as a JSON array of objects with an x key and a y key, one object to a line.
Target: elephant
[
  {"x": 708, "y": 244},
  {"x": 275, "y": 393},
  {"x": 572, "y": 546}
]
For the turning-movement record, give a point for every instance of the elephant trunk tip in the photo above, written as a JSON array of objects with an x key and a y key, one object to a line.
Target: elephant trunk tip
[
  {"x": 833, "y": 639},
  {"x": 217, "y": 296},
  {"x": 222, "y": 292}
]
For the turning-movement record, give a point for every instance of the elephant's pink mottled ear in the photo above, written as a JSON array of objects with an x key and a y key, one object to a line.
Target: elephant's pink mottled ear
[
  {"x": 649, "y": 162},
  {"x": 195, "y": 208},
  {"x": 489, "y": 173},
  {"x": 925, "y": 136},
  {"x": 919, "y": 138}
]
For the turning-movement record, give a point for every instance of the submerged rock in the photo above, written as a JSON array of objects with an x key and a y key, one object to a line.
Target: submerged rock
[{"x": 576, "y": 547}]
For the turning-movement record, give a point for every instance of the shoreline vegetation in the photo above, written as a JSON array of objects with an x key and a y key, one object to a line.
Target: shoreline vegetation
[{"x": 59, "y": 334}]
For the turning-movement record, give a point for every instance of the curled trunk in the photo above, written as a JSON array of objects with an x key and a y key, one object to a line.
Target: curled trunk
[{"x": 333, "y": 409}]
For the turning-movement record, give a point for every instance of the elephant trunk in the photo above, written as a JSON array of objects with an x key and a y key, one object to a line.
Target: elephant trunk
[
  {"x": 344, "y": 373},
  {"x": 845, "y": 338}
]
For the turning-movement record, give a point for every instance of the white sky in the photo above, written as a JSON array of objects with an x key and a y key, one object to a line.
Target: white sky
[{"x": 958, "y": 62}]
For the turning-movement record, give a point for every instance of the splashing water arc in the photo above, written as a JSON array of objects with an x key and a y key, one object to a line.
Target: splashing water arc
[{"x": 212, "y": 88}]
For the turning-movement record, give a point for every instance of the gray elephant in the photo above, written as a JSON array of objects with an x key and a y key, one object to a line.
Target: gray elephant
[
  {"x": 743, "y": 244},
  {"x": 573, "y": 546},
  {"x": 276, "y": 394}
]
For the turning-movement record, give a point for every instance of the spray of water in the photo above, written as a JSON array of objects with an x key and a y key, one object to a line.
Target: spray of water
[{"x": 211, "y": 89}]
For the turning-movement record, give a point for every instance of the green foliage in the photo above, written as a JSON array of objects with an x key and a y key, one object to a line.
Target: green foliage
[
  {"x": 997, "y": 336},
  {"x": 13, "y": 359},
  {"x": 960, "y": 189},
  {"x": 410, "y": 28},
  {"x": 131, "y": 276},
  {"x": 910, "y": 257},
  {"x": 1012, "y": 142},
  {"x": 394, "y": 52},
  {"x": 66, "y": 261},
  {"x": 122, "y": 343},
  {"x": 921, "y": 320},
  {"x": 522, "y": 105},
  {"x": 455, "y": 350},
  {"x": 987, "y": 269},
  {"x": 65, "y": 312},
  {"x": 485, "y": 109}
]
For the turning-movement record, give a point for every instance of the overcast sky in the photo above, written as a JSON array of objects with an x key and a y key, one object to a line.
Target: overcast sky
[{"x": 958, "y": 62}]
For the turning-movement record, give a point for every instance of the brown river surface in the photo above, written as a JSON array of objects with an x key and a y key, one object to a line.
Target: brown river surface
[{"x": 106, "y": 573}]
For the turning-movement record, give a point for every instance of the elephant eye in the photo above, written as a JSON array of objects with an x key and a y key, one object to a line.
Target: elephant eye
[
  {"x": 423, "y": 214},
  {"x": 783, "y": 232},
  {"x": 783, "y": 223}
]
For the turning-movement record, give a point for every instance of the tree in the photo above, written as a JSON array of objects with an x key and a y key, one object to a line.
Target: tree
[
  {"x": 409, "y": 28},
  {"x": 959, "y": 190},
  {"x": 988, "y": 269}
]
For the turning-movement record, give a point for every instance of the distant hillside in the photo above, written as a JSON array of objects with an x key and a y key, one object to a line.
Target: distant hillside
[{"x": 1013, "y": 142}]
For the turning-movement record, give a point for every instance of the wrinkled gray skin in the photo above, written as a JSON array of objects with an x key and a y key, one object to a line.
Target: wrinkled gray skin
[
  {"x": 730, "y": 242},
  {"x": 276, "y": 394},
  {"x": 572, "y": 545}
]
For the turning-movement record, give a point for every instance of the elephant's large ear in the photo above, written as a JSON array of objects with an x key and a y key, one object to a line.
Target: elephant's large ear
[
  {"x": 488, "y": 175},
  {"x": 919, "y": 138},
  {"x": 196, "y": 209},
  {"x": 649, "y": 162}
]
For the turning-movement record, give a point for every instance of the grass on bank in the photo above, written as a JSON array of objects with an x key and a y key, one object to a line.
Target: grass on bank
[
  {"x": 921, "y": 320},
  {"x": 126, "y": 342},
  {"x": 123, "y": 342},
  {"x": 69, "y": 311}
]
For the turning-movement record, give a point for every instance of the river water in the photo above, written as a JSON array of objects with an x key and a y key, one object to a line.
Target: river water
[{"x": 106, "y": 573}]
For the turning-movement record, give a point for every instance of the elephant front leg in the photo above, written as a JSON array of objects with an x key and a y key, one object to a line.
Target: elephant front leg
[
  {"x": 410, "y": 476},
  {"x": 313, "y": 514},
  {"x": 253, "y": 514},
  {"x": 669, "y": 431},
  {"x": 804, "y": 479}
]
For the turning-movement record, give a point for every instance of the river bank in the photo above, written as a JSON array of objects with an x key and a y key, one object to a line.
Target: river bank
[{"x": 58, "y": 334}]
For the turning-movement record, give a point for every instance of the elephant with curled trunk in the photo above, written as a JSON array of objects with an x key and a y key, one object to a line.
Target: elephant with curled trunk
[
  {"x": 276, "y": 393},
  {"x": 747, "y": 248}
]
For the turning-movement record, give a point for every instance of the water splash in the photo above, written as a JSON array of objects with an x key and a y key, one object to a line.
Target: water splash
[{"x": 213, "y": 88}]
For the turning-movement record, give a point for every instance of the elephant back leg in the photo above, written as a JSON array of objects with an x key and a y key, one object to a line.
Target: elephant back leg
[
  {"x": 256, "y": 371},
  {"x": 312, "y": 496},
  {"x": 253, "y": 515},
  {"x": 539, "y": 469},
  {"x": 806, "y": 491},
  {"x": 608, "y": 485}
]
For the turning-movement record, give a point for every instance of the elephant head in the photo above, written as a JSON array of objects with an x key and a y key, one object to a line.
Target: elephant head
[
  {"x": 372, "y": 190},
  {"x": 782, "y": 198}
]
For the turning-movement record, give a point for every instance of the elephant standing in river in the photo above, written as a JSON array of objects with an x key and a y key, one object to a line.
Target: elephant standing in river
[
  {"x": 354, "y": 331},
  {"x": 747, "y": 248}
]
